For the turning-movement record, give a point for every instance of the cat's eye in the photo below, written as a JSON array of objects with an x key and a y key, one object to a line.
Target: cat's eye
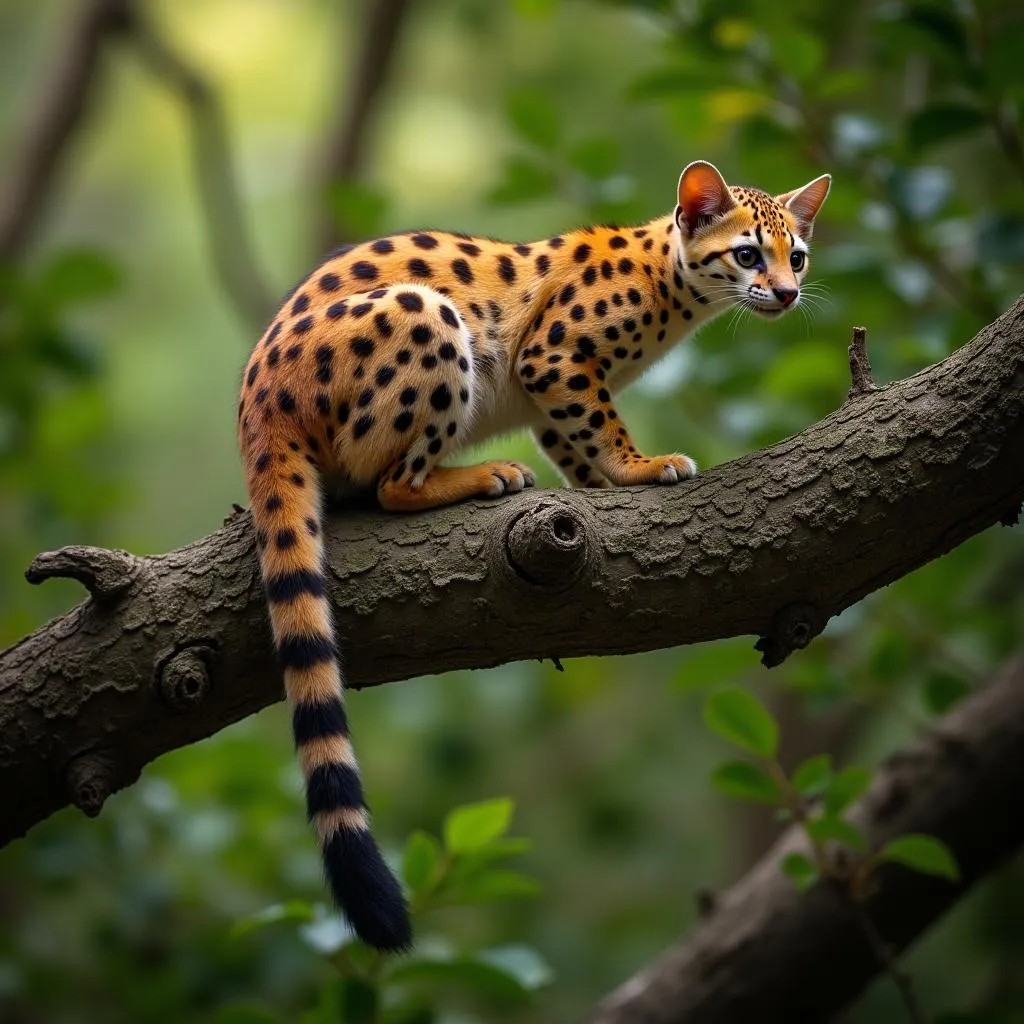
[
  {"x": 747, "y": 255},
  {"x": 797, "y": 259}
]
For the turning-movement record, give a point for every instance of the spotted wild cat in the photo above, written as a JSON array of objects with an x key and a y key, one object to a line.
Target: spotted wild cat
[{"x": 395, "y": 353}]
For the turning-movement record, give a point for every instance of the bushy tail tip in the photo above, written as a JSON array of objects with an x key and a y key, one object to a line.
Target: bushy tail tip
[{"x": 367, "y": 891}]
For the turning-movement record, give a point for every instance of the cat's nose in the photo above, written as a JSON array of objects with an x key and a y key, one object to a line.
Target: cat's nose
[{"x": 786, "y": 295}]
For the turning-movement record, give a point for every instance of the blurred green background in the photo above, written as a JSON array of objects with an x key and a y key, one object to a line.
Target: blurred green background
[{"x": 120, "y": 355}]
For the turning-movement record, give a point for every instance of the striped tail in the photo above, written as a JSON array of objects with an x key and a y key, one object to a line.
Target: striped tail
[{"x": 286, "y": 511}]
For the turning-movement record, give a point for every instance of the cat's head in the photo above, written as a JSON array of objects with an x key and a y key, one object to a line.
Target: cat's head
[{"x": 750, "y": 248}]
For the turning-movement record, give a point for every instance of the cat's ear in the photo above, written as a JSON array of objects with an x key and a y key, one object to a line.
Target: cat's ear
[
  {"x": 703, "y": 196},
  {"x": 804, "y": 203}
]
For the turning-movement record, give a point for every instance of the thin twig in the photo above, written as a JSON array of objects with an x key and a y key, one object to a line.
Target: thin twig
[
  {"x": 343, "y": 155},
  {"x": 231, "y": 247},
  {"x": 62, "y": 110},
  {"x": 862, "y": 382},
  {"x": 883, "y": 954}
]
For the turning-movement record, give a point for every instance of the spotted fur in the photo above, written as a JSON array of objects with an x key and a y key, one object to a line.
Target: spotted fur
[{"x": 396, "y": 352}]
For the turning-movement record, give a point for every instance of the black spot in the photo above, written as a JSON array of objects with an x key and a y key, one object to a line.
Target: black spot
[
  {"x": 303, "y": 652},
  {"x": 451, "y": 428},
  {"x": 273, "y": 357},
  {"x": 663, "y": 317},
  {"x": 323, "y": 404},
  {"x": 253, "y": 374},
  {"x": 463, "y": 364},
  {"x": 403, "y": 421},
  {"x": 362, "y": 346},
  {"x": 274, "y": 332},
  {"x": 330, "y": 282},
  {"x": 261, "y": 395},
  {"x": 663, "y": 289},
  {"x": 428, "y": 362},
  {"x": 409, "y": 301},
  {"x": 603, "y": 396},
  {"x": 447, "y": 351},
  {"x": 557, "y": 242},
  {"x": 383, "y": 325},
  {"x": 543, "y": 263},
  {"x": 285, "y": 400},
  {"x": 549, "y": 439},
  {"x": 285, "y": 538},
  {"x": 463, "y": 395},
  {"x": 441, "y": 397},
  {"x": 403, "y": 357},
  {"x": 647, "y": 319},
  {"x": 582, "y": 472},
  {"x": 579, "y": 382},
  {"x": 408, "y": 396},
  {"x": 687, "y": 314},
  {"x": 611, "y": 333},
  {"x": 361, "y": 309},
  {"x": 362, "y": 425},
  {"x": 620, "y": 353},
  {"x": 581, "y": 253},
  {"x": 421, "y": 334},
  {"x": 364, "y": 271},
  {"x": 618, "y": 242},
  {"x": 298, "y": 479},
  {"x": 385, "y": 375},
  {"x": 301, "y": 304},
  {"x": 383, "y": 246},
  {"x": 625, "y": 266},
  {"x": 336, "y": 310},
  {"x": 596, "y": 419},
  {"x": 293, "y": 352},
  {"x": 635, "y": 298},
  {"x": 523, "y": 250},
  {"x": 469, "y": 248},
  {"x": 586, "y": 346},
  {"x": 435, "y": 446},
  {"x": 419, "y": 268},
  {"x": 343, "y": 411},
  {"x": 461, "y": 270},
  {"x": 506, "y": 269},
  {"x": 448, "y": 316},
  {"x": 422, "y": 241},
  {"x": 600, "y": 308},
  {"x": 577, "y": 312},
  {"x": 556, "y": 333},
  {"x": 607, "y": 270},
  {"x": 566, "y": 294},
  {"x": 575, "y": 409},
  {"x": 365, "y": 398}
]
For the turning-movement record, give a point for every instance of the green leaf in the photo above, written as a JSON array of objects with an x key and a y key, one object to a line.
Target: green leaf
[
  {"x": 524, "y": 180},
  {"x": 813, "y": 775},
  {"x": 846, "y": 787},
  {"x": 596, "y": 158},
  {"x": 419, "y": 861},
  {"x": 535, "y": 8},
  {"x": 943, "y": 690},
  {"x": 460, "y": 972},
  {"x": 838, "y": 829},
  {"x": 801, "y": 869},
  {"x": 472, "y": 827},
  {"x": 741, "y": 719},
  {"x": 78, "y": 275},
  {"x": 941, "y": 122},
  {"x": 524, "y": 963},
  {"x": 359, "y": 1001},
  {"x": 745, "y": 781},
  {"x": 294, "y": 910},
  {"x": 923, "y": 853},
  {"x": 534, "y": 117}
]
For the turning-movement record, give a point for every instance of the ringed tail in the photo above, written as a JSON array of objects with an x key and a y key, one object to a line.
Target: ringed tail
[{"x": 285, "y": 494}]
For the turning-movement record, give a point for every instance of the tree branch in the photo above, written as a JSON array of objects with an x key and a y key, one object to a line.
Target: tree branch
[
  {"x": 769, "y": 953},
  {"x": 342, "y": 156},
  {"x": 228, "y": 238},
  {"x": 773, "y": 544},
  {"x": 62, "y": 109}
]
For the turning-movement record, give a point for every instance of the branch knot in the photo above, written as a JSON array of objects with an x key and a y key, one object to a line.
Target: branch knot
[
  {"x": 184, "y": 678},
  {"x": 793, "y": 627},
  {"x": 547, "y": 544}
]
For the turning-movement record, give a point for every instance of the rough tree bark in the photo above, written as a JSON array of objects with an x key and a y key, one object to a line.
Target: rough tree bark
[{"x": 172, "y": 648}]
